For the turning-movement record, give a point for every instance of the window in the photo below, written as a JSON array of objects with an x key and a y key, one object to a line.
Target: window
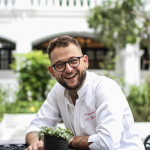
[
  {"x": 6, "y": 48},
  {"x": 95, "y": 51}
]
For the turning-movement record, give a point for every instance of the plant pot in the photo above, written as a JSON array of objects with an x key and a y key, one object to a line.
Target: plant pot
[{"x": 55, "y": 143}]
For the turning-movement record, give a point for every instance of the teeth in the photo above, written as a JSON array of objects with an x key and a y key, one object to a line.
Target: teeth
[{"x": 70, "y": 77}]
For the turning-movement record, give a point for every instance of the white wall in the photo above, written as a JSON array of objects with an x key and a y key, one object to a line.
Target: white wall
[{"x": 25, "y": 24}]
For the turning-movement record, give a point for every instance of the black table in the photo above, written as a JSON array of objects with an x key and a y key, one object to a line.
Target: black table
[
  {"x": 16, "y": 147},
  {"x": 13, "y": 147}
]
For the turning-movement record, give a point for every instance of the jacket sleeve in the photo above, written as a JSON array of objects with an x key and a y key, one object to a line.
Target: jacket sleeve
[
  {"x": 49, "y": 114},
  {"x": 110, "y": 103}
]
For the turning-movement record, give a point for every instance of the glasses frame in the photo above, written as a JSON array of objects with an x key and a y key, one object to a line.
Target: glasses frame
[{"x": 68, "y": 63}]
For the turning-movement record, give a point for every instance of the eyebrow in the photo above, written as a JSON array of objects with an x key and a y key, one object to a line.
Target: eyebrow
[{"x": 64, "y": 61}]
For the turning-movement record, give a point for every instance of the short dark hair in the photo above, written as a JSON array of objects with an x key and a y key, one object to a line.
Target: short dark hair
[{"x": 61, "y": 41}]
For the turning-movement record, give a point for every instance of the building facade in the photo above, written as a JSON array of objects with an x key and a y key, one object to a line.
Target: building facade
[{"x": 26, "y": 25}]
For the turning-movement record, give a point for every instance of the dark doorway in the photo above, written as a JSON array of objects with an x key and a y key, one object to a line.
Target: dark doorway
[{"x": 145, "y": 59}]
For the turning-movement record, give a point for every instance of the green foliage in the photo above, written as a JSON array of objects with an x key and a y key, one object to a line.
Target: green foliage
[
  {"x": 138, "y": 98},
  {"x": 18, "y": 107},
  {"x": 114, "y": 22},
  {"x": 3, "y": 98},
  {"x": 33, "y": 75},
  {"x": 23, "y": 107},
  {"x": 57, "y": 131},
  {"x": 145, "y": 33},
  {"x": 139, "y": 102},
  {"x": 108, "y": 62}
]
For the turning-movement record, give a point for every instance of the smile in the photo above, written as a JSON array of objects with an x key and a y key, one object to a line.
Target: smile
[{"x": 70, "y": 77}]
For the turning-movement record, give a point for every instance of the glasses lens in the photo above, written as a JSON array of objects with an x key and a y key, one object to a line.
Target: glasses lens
[
  {"x": 74, "y": 62},
  {"x": 60, "y": 66}
]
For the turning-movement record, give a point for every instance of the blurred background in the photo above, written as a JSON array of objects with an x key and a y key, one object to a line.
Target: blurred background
[{"x": 115, "y": 34}]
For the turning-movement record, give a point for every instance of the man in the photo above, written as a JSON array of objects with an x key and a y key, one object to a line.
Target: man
[{"x": 92, "y": 106}]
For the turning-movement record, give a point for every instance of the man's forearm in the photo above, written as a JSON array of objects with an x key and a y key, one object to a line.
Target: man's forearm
[
  {"x": 32, "y": 137},
  {"x": 80, "y": 142}
]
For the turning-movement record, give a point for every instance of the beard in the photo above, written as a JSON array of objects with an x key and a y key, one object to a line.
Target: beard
[{"x": 81, "y": 79}]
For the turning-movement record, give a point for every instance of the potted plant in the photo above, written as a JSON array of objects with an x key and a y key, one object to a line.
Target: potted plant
[{"x": 55, "y": 138}]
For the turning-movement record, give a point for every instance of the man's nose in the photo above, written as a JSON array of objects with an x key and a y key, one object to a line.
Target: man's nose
[{"x": 68, "y": 67}]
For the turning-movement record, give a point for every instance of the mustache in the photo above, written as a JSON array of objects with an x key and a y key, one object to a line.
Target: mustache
[{"x": 71, "y": 73}]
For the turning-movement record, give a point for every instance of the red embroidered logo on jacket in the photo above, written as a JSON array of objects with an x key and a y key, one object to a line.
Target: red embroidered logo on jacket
[{"x": 89, "y": 116}]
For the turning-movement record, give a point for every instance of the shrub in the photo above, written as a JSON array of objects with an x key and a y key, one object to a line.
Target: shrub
[
  {"x": 17, "y": 106},
  {"x": 139, "y": 101},
  {"x": 23, "y": 107},
  {"x": 4, "y": 94},
  {"x": 138, "y": 98},
  {"x": 33, "y": 75}
]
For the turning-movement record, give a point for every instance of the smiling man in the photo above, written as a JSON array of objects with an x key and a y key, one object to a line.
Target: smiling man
[{"x": 92, "y": 106}]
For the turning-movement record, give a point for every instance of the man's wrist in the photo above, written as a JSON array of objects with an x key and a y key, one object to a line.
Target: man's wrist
[{"x": 70, "y": 141}]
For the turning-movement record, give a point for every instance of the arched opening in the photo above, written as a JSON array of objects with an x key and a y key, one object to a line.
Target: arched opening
[
  {"x": 6, "y": 48},
  {"x": 100, "y": 57}
]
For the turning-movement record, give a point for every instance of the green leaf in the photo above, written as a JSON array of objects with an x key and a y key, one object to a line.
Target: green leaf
[{"x": 57, "y": 131}]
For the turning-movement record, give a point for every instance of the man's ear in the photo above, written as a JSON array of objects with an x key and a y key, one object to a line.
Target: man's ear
[
  {"x": 50, "y": 69},
  {"x": 86, "y": 61}
]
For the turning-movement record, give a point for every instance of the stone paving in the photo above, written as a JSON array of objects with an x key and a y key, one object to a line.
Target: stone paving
[{"x": 13, "y": 128}]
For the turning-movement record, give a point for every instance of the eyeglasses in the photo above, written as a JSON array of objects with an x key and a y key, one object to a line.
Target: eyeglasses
[{"x": 61, "y": 66}]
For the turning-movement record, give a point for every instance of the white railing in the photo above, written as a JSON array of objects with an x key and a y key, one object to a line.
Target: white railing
[
  {"x": 48, "y": 4},
  {"x": 54, "y": 4}
]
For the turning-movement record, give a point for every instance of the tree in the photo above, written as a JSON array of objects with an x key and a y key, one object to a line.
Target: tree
[
  {"x": 114, "y": 22},
  {"x": 145, "y": 32},
  {"x": 119, "y": 22}
]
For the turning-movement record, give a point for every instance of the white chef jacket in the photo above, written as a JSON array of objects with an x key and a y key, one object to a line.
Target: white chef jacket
[{"x": 101, "y": 111}]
